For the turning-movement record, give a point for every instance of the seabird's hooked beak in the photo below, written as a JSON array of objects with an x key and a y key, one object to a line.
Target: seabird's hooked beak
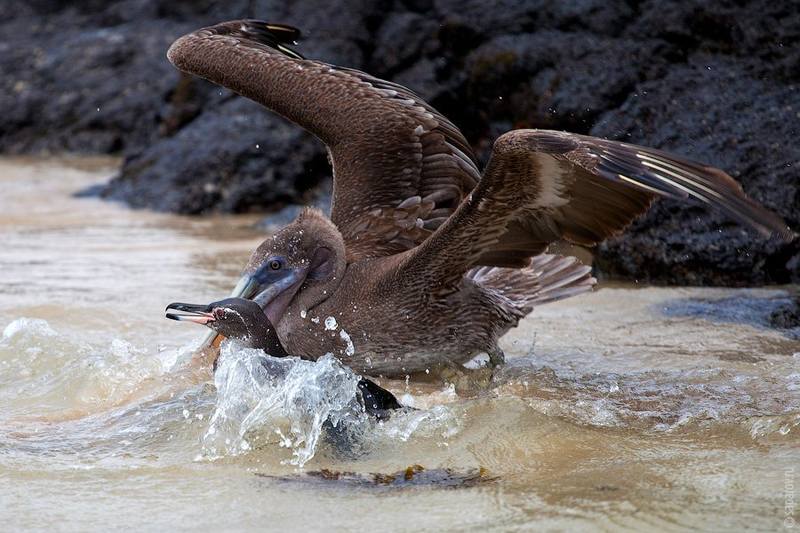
[{"x": 199, "y": 314}]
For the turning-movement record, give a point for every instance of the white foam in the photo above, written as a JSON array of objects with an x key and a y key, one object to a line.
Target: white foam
[{"x": 28, "y": 326}]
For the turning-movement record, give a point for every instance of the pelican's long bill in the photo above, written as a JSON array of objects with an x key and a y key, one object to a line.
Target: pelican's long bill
[{"x": 246, "y": 287}]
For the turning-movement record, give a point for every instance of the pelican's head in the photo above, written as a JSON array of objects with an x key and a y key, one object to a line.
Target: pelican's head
[{"x": 304, "y": 260}]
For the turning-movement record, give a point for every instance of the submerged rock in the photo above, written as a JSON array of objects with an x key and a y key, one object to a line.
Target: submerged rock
[
  {"x": 717, "y": 83},
  {"x": 787, "y": 317},
  {"x": 415, "y": 476}
]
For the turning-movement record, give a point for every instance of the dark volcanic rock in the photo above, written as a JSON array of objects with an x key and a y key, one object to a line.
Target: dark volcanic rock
[
  {"x": 747, "y": 137},
  {"x": 88, "y": 76},
  {"x": 233, "y": 158},
  {"x": 717, "y": 82}
]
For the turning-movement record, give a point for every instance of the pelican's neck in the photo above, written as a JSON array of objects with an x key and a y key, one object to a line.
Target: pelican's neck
[
  {"x": 315, "y": 291},
  {"x": 324, "y": 247}
]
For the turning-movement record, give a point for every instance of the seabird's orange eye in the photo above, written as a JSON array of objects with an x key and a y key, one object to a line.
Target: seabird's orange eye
[{"x": 275, "y": 264}]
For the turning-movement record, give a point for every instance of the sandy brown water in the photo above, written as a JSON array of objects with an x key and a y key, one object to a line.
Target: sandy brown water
[{"x": 626, "y": 409}]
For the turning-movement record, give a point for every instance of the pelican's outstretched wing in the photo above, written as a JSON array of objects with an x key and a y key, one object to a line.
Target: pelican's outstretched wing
[
  {"x": 400, "y": 168},
  {"x": 542, "y": 186}
]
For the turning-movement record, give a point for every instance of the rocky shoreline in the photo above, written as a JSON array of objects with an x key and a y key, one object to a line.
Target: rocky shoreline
[{"x": 717, "y": 83}]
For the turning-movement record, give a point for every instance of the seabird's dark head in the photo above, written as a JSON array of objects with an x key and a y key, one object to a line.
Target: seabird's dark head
[{"x": 235, "y": 318}]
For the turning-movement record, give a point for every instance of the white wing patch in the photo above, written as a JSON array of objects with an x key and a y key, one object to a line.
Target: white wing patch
[{"x": 552, "y": 193}]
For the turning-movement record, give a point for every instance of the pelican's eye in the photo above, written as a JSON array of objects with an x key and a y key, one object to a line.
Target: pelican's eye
[{"x": 275, "y": 264}]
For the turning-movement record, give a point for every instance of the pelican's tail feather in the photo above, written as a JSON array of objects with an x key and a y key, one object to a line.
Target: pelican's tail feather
[{"x": 546, "y": 279}]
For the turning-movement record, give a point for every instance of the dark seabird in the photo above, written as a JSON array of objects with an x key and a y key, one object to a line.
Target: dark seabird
[
  {"x": 425, "y": 260},
  {"x": 243, "y": 320}
]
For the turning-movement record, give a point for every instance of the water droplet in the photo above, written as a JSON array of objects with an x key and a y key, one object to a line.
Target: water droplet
[{"x": 350, "y": 349}]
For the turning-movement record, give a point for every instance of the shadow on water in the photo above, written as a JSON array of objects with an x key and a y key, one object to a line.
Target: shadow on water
[{"x": 778, "y": 310}]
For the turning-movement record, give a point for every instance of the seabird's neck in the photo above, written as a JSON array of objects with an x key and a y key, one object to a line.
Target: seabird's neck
[{"x": 263, "y": 336}]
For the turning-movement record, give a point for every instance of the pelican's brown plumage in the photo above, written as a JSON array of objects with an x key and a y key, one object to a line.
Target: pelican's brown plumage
[{"x": 425, "y": 259}]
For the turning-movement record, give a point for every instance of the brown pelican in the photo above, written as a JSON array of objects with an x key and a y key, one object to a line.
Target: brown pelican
[{"x": 425, "y": 260}]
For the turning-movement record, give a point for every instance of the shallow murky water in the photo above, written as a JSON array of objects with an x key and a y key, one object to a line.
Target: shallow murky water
[{"x": 628, "y": 408}]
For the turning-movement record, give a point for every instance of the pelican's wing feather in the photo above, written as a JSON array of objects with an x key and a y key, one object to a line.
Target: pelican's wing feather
[
  {"x": 400, "y": 168},
  {"x": 542, "y": 186}
]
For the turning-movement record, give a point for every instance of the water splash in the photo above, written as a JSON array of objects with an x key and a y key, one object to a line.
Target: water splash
[
  {"x": 100, "y": 393},
  {"x": 287, "y": 397},
  {"x": 294, "y": 403}
]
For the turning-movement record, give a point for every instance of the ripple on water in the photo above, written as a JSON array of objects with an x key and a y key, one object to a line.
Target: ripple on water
[
  {"x": 46, "y": 372},
  {"x": 659, "y": 401}
]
